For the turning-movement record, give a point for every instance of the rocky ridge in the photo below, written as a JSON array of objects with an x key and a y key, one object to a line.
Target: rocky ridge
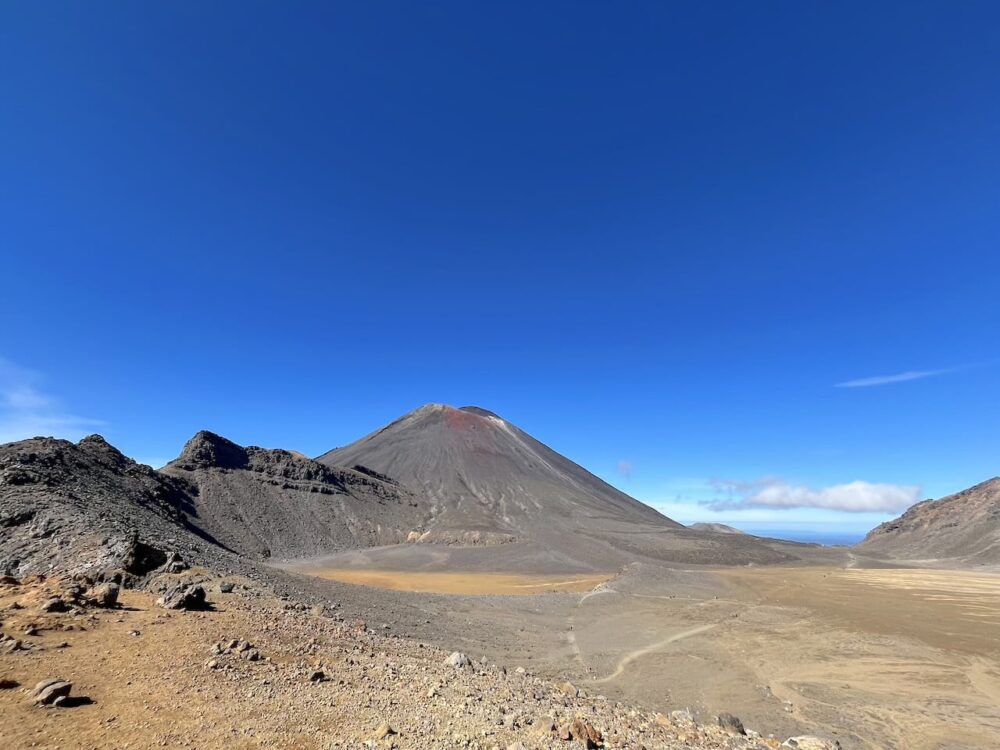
[
  {"x": 964, "y": 528},
  {"x": 86, "y": 507},
  {"x": 264, "y": 502}
]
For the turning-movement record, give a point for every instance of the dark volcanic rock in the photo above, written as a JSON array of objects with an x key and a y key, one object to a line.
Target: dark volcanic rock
[
  {"x": 140, "y": 558},
  {"x": 206, "y": 450},
  {"x": 83, "y": 508},
  {"x": 264, "y": 502},
  {"x": 175, "y": 563},
  {"x": 184, "y": 596},
  {"x": 731, "y": 724},
  {"x": 87, "y": 508},
  {"x": 486, "y": 474},
  {"x": 491, "y": 483},
  {"x": 964, "y": 526}
]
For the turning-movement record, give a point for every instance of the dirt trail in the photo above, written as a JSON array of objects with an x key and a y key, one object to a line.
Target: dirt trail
[{"x": 633, "y": 655}]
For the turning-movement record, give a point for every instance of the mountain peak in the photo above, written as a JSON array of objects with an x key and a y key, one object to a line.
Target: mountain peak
[
  {"x": 486, "y": 477},
  {"x": 207, "y": 449},
  {"x": 480, "y": 411}
]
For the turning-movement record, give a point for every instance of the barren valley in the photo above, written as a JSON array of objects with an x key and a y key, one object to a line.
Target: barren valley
[{"x": 874, "y": 657}]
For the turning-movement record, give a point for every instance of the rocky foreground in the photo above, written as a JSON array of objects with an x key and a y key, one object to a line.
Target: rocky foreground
[{"x": 198, "y": 661}]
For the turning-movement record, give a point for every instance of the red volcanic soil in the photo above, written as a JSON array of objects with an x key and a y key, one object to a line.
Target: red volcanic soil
[{"x": 457, "y": 419}]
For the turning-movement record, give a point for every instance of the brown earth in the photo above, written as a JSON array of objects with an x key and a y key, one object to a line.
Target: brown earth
[
  {"x": 154, "y": 678},
  {"x": 438, "y": 582},
  {"x": 887, "y": 659}
]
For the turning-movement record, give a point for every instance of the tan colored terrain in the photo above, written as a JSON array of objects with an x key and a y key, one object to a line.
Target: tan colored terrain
[
  {"x": 905, "y": 659},
  {"x": 894, "y": 659},
  {"x": 438, "y": 582},
  {"x": 144, "y": 677},
  {"x": 911, "y": 658}
]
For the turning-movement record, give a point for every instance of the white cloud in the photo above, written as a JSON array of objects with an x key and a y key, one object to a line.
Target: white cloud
[
  {"x": 900, "y": 377},
  {"x": 624, "y": 468},
  {"x": 26, "y": 411},
  {"x": 775, "y": 493}
]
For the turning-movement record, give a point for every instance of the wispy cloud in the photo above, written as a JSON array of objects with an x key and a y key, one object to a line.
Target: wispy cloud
[
  {"x": 773, "y": 492},
  {"x": 624, "y": 468},
  {"x": 899, "y": 377},
  {"x": 27, "y": 411}
]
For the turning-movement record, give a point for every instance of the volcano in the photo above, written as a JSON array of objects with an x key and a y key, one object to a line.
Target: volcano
[{"x": 488, "y": 482}]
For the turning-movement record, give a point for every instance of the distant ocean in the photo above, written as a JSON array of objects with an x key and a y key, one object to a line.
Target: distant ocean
[{"x": 826, "y": 538}]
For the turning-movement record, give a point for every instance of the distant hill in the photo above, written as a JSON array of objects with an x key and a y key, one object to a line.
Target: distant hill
[
  {"x": 964, "y": 527},
  {"x": 718, "y": 528}
]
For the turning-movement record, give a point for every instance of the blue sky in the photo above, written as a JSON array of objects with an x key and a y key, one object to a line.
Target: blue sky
[{"x": 742, "y": 260}]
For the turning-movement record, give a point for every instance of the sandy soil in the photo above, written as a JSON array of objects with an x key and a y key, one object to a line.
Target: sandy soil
[
  {"x": 516, "y": 584},
  {"x": 888, "y": 659},
  {"x": 906, "y": 659},
  {"x": 894, "y": 659},
  {"x": 149, "y": 678}
]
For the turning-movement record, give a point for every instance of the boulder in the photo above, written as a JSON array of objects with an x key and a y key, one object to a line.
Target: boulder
[
  {"x": 140, "y": 558},
  {"x": 585, "y": 732},
  {"x": 226, "y": 587},
  {"x": 54, "y": 604},
  {"x": 568, "y": 688},
  {"x": 808, "y": 742},
  {"x": 544, "y": 726},
  {"x": 184, "y": 596},
  {"x": 458, "y": 660},
  {"x": 175, "y": 563},
  {"x": 731, "y": 724},
  {"x": 105, "y": 595},
  {"x": 48, "y": 691}
]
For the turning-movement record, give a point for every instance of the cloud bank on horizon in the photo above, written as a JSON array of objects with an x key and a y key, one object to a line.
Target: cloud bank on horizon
[
  {"x": 900, "y": 377},
  {"x": 26, "y": 411},
  {"x": 776, "y": 493}
]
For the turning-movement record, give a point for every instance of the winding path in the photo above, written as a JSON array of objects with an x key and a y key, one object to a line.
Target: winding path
[{"x": 633, "y": 655}]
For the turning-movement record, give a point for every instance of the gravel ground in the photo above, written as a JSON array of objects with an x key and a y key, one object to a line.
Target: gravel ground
[{"x": 144, "y": 677}]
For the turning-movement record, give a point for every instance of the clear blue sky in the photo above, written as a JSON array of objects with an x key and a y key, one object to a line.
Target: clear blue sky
[{"x": 655, "y": 235}]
